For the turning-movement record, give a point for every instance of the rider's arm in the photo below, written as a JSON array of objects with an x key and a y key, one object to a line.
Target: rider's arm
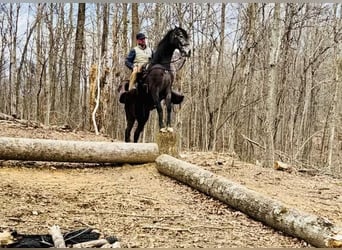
[{"x": 129, "y": 62}]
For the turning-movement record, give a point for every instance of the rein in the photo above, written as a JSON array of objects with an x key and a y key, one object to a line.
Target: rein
[{"x": 173, "y": 61}]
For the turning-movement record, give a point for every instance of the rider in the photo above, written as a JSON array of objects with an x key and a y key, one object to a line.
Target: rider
[{"x": 137, "y": 58}]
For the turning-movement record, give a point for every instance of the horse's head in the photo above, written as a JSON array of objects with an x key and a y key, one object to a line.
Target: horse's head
[{"x": 180, "y": 39}]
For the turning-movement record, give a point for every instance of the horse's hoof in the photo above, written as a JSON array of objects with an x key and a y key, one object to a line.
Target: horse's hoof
[
  {"x": 163, "y": 130},
  {"x": 169, "y": 129}
]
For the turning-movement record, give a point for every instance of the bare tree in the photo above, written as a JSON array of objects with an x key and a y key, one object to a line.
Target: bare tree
[
  {"x": 135, "y": 21},
  {"x": 271, "y": 85},
  {"x": 74, "y": 99},
  {"x": 3, "y": 41},
  {"x": 13, "y": 30},
  {"x": 332, "y": 116},
  {"x": 246, "y": 67}
]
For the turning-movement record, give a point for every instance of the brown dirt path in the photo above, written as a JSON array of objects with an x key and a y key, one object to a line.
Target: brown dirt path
[{"x": 146, "y": 209}]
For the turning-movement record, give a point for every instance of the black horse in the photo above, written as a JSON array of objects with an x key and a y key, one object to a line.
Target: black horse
[
  {"x": 156, "y": 85},
  {"x": 138, "y": 107}
]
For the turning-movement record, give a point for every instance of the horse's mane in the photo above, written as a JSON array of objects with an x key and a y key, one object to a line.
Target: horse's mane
[
  {"x": 161, "y": 48},
  {"x": 168, "y": 34}
]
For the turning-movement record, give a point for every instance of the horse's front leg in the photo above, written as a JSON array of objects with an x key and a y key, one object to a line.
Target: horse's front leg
[
  {"x": 169, "y": 110},
  {"x": 160, "y": 115}
]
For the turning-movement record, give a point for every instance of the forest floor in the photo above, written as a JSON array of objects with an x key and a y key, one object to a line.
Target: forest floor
[{"x": 146, "y": 209}]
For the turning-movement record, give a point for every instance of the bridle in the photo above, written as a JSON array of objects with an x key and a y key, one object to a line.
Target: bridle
[{"x": 172, "y": 61}]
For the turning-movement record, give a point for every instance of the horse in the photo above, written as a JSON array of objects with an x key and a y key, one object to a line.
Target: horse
[
  {"x": 155, "y": 86},
  {"x": 160, "y": 77},
  {"x": 138, "y": 107}
]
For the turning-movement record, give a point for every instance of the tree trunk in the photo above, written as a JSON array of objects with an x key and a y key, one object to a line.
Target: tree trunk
[
  {"x": 76, "y": 151},
  {"x": 125, "y": 27},
  {"x": 135, "y": 22},
  {"x": 271, "y": 87},
  {"x": 332, "y": 117},
  {"x": 13, "y": 30},
  {"x": 317, "y": 231},
  {"x": 74, "y": 100}
]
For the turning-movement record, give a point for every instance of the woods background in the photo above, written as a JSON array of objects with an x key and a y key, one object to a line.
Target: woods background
[{"x": 263, "y": 81}]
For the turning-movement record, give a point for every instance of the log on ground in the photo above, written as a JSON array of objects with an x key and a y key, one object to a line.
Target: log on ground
[
  {"x": 76, "y": 151},
  {"x": 318, "y": 231}
]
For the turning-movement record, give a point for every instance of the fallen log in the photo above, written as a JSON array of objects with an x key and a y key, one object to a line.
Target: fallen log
[
  {"x": 21, "y": 121},
  {"x": 76, "y": 151},
  {"x": 318, "y": 231}
]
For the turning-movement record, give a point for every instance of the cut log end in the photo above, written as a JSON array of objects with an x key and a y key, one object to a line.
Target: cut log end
[
  {"x": 6, "y": 238},
  {"x": 281, "y": 166},
  {"x": 335, "y": 242},
  {"x": 168, "y": 143}
]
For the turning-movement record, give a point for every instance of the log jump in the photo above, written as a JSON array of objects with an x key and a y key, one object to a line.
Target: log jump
[
  {"x": 317, "y": 231},
  {"x": 76, "y": 151}
]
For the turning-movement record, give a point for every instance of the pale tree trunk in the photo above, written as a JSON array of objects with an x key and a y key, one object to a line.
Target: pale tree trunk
[
  {"x": 104, "y": 97},
  {"x": 118, "y": 70},
  {"x": 180, "y": 13},
  {"x": 135, "y": 22},
  {"x": 125, "y": 27},
  {"x": 285, "y": 107},
  {"x": 271, "y": 86},
  {"x": 84, "y": 96},
  {"x": 67, "y": 34},
  {"x": 336, "y": 88},
  {"x": 51, "y": 65},
  {"x": 248, "y": 63},
  {"x": 55, "y": 34},
  {"x": 13, "y": 20},
  {"x": 219, "y": 72},
  {"x": 97, "y": 99},
  {"x": 102, "y": 103},
  {"x": 209, "y": 86},
  {"x": 74, "y": 99},
  {"x": 3, "y": 44},
  {"x": 39, "y": 61},
  {"x": 157, "y": 18},
  {"x": 59, "y": 84}
]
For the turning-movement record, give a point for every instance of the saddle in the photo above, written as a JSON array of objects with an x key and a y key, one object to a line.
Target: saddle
[{"x": 124, "y": 95}]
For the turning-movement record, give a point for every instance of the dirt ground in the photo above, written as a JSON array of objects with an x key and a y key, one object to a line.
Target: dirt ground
[{"x": 146, "y": 209}]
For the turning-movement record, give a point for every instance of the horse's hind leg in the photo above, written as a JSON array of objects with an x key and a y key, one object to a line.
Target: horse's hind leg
[
  {"x": 138, "y": 130},
  {"x": 159, "y": 109},
  {"x": 128, "y": 130},
  {"x": 142, "y": 117}
]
